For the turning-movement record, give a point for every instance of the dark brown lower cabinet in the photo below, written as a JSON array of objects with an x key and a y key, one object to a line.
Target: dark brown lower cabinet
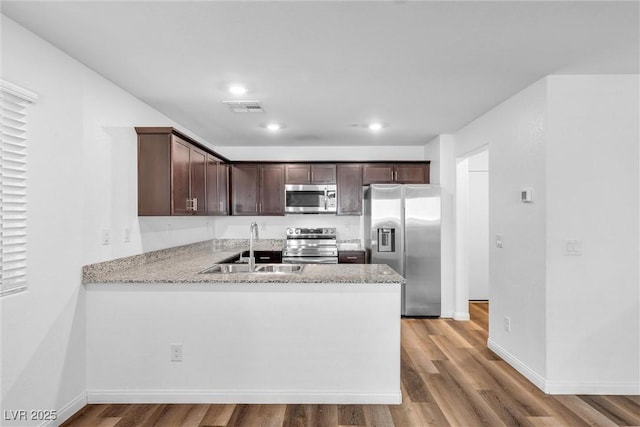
[{"x": 351, "y": 257}]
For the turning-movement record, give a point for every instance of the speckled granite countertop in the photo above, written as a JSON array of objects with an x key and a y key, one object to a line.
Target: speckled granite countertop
[{"x": 183, "y": 264}]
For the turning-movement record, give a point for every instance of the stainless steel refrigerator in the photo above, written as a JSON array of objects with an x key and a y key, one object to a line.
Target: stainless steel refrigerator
[{"x": 402, "y": 230}]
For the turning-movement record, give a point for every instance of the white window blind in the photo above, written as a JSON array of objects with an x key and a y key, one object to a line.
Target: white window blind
[{"x": 13, "y": 187}]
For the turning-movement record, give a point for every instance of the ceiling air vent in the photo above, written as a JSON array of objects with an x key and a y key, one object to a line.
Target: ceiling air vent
[{"x": 245, "y": 106}]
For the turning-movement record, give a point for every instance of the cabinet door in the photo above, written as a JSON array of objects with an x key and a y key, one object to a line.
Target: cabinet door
[
  {"x": 412, "y": 173},
  {"x": 154, "y": 175},
  {"x": 375, "y": 173},
  {"x": 217, "y": 186},
  {"x": 223, "y": 188},
  {"x": 180, "y": 171},
  {"x": 349, "y": 189},
  {"x": 244, "y": 189},
  {"x": 297, "y": 174},
  {"x": 198, "y": 176},
  {"x": 271, "y": 200},
  {"x": 323, "y": 174}
]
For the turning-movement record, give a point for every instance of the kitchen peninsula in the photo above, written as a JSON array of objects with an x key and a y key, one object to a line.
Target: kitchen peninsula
[{"x": 160, "y": 331}]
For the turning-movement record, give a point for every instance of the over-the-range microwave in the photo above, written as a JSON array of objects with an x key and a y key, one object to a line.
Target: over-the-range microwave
[{"x": 310, "y": 198}]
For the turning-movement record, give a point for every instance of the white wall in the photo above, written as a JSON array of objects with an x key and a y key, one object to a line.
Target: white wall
[
  {"x": 478, "y": 203},
  {"x": 592, "y": 196},
  {"x": 440, "y": 152},
  {"x": 574, "y": 319},
  {"x": 514, "y": 131},
  {"x": 81, "y": 179}
]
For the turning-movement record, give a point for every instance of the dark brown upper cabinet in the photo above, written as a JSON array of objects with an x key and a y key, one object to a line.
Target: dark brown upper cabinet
[
  {"x": 257, "y": 189},
  {"x": 310, "y": 173},
  {"x": 349, "y": 189},
  {"x": 217, "y": 186},
  {"x": 172, "y": 174},
  {"x": 401, "y": 173}
]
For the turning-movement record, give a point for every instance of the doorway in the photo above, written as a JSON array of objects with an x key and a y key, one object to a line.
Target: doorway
[{"x": 472, "y": 228}]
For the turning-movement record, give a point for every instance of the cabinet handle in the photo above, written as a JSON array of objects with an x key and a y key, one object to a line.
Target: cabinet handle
[
  {"x": 260, "y": 207},
  {"x": 352, "y": 257},
  {"x": 395, "y": 175},
  {"x": 264, "y": 257}
]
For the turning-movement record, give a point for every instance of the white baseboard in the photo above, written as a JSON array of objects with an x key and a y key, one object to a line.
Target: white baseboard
[
  {"x": 67, "y": 411},
  {"x": 560, "y": 387},
  {"x": 242, "y": 397},
  {"x": 462, "y": 316},
  {"x": 600, "y": 388},
  {"x": 518, "y": 365}
]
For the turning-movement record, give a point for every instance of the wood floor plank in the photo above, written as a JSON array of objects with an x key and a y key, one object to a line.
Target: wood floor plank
[
  {"x": 623, "y": 403},
  {"x": 324, "y": 415},
  {"x": 479, "y": 413},
  {"x": 615, "y": 413},
  {"x": 217, "y": 415},
  {"x": 589, "y": 414},
  {"x": 377, "y": 416},
  {"x": 448, "y": 378},
  {"x": 429, "y": 414},
  {"x": 414, "y": 383},
  {"x": 351, "y": 415},
  {"x": 136, "y": 415}
]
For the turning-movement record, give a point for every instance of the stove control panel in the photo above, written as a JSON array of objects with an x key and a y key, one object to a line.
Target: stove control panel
[{"x": 294, "y": 232}]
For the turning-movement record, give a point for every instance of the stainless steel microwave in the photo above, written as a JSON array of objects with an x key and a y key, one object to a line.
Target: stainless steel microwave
[{"x": 310, "y": 198}]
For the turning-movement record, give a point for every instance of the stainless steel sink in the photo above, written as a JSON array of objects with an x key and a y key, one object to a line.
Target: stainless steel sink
[
  {"x": 279, "y": 268},
  {"x": 260, "y": 268},
  {"x": 227, "y": 268}
]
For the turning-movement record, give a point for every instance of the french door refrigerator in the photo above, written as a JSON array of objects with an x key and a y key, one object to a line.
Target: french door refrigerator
[{"x": 402, "y": 230}]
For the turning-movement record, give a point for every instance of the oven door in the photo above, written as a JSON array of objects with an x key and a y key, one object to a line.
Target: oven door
[{"x": 310, "y": 198}]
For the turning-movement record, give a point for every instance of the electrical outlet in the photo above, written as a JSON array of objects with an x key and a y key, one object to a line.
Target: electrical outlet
[
  {"x": 499, "y": 240},
  {"x": 176, "y": 352},
  {"x": 507, "y": 324},
  {"x": 106, "y": 237}
]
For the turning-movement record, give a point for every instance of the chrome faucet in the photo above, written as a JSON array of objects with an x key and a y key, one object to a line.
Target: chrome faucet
[{"x": 253, "y": 229}]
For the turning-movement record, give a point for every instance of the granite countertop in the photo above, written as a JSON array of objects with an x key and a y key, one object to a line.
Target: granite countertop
[{"x": 183, "y": 264}]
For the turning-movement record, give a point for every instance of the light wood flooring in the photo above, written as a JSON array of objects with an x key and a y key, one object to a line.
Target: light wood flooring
[{"x": 449, "y": 378}]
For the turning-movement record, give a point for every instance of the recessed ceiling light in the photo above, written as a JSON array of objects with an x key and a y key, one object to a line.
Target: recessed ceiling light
[
  {"x": 237, "y": 89},
  {"x": 375, "y": 126},
  {"x": 274, "y": 127}
]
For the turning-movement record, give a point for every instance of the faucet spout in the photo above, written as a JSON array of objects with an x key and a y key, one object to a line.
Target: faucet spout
[{"x": 253, "y": 231}]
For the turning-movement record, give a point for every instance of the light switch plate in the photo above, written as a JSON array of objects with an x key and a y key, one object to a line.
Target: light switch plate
[
  {"x": 573, "y": 247},
  {"x": 499, "y": 240},
  {"x": 106, "y": 237}
]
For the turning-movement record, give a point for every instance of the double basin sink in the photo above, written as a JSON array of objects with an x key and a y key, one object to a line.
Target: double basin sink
[
  {"x": 258, "y": 268},
  {"x": 239, "y": 264}
]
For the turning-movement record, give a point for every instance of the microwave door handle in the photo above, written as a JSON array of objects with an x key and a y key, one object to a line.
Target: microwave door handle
[{"x": 326, "y": 197}]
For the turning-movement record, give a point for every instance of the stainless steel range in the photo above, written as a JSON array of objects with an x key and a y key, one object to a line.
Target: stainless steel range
[{"x": 310, "y": 246}]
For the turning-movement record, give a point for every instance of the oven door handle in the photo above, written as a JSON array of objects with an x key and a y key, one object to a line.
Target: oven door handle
[{"x": 310, "y": 260}]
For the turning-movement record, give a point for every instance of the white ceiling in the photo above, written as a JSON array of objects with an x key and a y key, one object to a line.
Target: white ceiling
[{"x": 422, "y": 67}]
